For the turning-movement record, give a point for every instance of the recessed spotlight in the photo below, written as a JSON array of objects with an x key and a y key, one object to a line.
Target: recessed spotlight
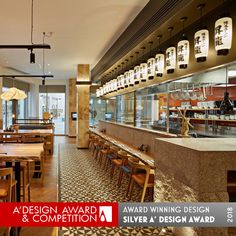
[
  {"x": 48, "y": 64},
  {"x": 49, "y": 72}
]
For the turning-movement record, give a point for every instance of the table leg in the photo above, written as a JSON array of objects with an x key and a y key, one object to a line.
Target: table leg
[{"x": 17, "y": 177}]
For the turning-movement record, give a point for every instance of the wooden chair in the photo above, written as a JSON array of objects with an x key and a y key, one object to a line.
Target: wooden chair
[
  {"x": 7, "y": 190},
  {"x": 145, "y": 179},
  {"x": 36, "y": 167}
]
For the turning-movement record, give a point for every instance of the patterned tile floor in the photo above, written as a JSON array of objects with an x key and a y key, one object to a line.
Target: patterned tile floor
[{"x": 82, "y": 179}]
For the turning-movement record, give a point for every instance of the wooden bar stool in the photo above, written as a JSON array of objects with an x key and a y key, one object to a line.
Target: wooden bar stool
[
  {"x": 98, "y": 147},
  {"x": 144, "y": 179},
  {"x": 117, "y": 162},
  {"x": 112, "y": 154},
  {"x": 103, "y": 152},
  {"x": 126, "y": 168}
]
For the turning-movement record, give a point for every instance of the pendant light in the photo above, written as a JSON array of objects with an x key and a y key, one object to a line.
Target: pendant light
[
  {"x": 143, "y": 68},
  {"x": 131, "y": 73},
  {"x": 226, "y": 105},
  {"x": 151, "y": 64},
  {"x": 223, "y": 35},
  {"x": 115, "y": 80},
  {"x": 160, "y": 58},
  {"x": 126, "y": 75},
  {"x": 201, "y": 40},
  {"x": 183, "y": 49},
  {"x": 170, "y": 56},
  {"x": 136, "y": 71}
]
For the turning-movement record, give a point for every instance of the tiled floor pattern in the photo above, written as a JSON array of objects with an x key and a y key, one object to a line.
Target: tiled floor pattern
[{"x": 82, "y": 179}]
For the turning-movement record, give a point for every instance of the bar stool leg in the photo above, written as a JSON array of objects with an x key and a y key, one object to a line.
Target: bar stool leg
[{"x": 120, "y": 177}]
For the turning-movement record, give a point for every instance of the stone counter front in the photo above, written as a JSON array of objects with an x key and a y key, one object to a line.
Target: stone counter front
[{"x": 194, "y": 170}]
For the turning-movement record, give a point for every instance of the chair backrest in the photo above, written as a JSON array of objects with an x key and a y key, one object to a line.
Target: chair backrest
[
  {"x": 10, "y": 139},
  {"x": 7, "y": 175},
  {"x": 138, "y": 166},
  {"x": 32, "y": 139}
]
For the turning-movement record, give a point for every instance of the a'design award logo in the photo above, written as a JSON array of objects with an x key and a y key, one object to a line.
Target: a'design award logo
[{"x": 105, "y": 213}]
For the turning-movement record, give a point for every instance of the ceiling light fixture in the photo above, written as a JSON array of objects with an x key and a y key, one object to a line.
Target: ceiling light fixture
[
  {"x": 160, "y": 58},
  {"x": 28, "y": 46},
  {"x": 170, "y": 55},
  {"x": 201, "y": 40},
  {"x": 183, "y": 49}
]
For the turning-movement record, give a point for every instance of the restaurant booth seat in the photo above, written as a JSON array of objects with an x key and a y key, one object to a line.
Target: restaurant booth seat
[
  {"x": 7, "y": 192},
  {"x": 144, "y": 180}
]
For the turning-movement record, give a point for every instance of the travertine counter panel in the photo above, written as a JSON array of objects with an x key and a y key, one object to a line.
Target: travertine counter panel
[
  {"x": 194, "y": 169},
  {"x": 132, "y": 135}
]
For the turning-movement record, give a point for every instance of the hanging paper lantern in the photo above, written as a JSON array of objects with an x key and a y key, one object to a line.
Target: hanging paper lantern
[
  {"x": 183, "y": 54},
  {"x": 151, "y": 68},
  {"x": 136, "y": 74},
  {"x": 159, "y": 64},
  {"x": 131, "y": 77},
  {"x": 122, "y": 82},
  {"x": 143, "y": 72},
  {"x": 201, "y": 45},
  {"x": 126, "y": 79},
  {"x": 170, "y": 59},
  {"x": 223, "y": 35}
]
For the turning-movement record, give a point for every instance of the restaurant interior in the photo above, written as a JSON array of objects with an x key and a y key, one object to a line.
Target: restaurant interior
[{"x": 118, "y": 101}]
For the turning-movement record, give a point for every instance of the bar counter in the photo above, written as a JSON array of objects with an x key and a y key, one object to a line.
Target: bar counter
[{"x": 194, "y": 170}]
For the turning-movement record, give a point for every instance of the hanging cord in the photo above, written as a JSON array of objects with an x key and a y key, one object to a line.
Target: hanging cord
[
  {"x": 32, "y": 20},
  {"x": 200, "y": 7},
  {"x": 150, "y": 48},
  {"x": 226, "y": 79},
  {"x": 159, "y": 41},
  {"x": 44, "y": 35}
]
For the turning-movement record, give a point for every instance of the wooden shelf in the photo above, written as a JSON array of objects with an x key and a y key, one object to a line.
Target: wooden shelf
[{"x": 204, "y": 119}]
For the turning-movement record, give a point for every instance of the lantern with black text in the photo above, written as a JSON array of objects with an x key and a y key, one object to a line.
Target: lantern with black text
[
  {"x": 223, "y": 35},
  {"x": 201, "y": 45},
  {"x": 170, "y": 59},
  {"x": 151, "y": 68},
  {"x": 136, "y": 74},
  {"x": 131, "y": 77},
  {"x": 183, "y": 54}
]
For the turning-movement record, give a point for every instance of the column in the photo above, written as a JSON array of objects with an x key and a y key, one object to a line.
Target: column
[
  {"x": 72, "y": 108},
  {"x": 83, "y": 90}
]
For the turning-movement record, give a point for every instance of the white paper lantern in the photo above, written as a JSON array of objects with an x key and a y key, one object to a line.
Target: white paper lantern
[
  {"x": 201, "y": 45},
  {"x": 122, "y": 82},
  {"x": 115, "y": 85},
  {"x": 159, "y": 64},
  {"x": 118, "y": 82},
  {"x": 151, "y": 68},
  {"x": 126, "y": 79},
  {"x": 223, "y": 35},
  {"x": 143, "y": 72},
  {"x": 170, "y": 59},
  {"x": 131, "y": 77},
  {"x": 136, "y": 74},
  {"x": 183, "y": 54},
  {"x": 97, "y": 93}
]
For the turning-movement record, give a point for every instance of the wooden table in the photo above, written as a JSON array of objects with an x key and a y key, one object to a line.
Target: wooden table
[
  {"x": 17, "y": 153},
  {"x": 131, "y": 150},
  {"x": 37, "y": 132}
]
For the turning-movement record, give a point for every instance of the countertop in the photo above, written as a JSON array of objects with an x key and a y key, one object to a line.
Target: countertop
[{"x": 204, "y": 144}]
